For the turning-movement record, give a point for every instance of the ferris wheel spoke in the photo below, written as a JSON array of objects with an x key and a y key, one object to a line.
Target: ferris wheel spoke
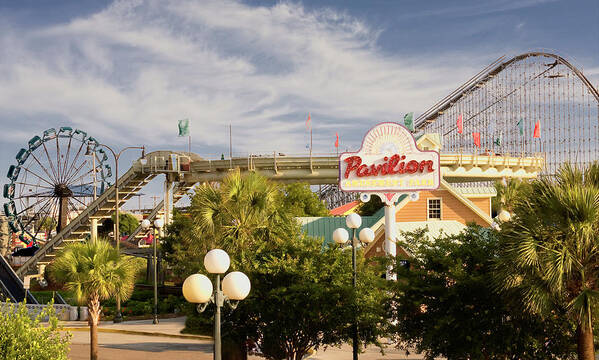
[
  {"x": 33, "y": 185},
  {"x": 37, "y": 194},
  {"x": 77, "y": 172},
  {"x": 74, "y": 181},
  {"x": 58, "y": 168},
  {"x": 79, "y": 201},
  {"x": 74, "y": 161},
  {"x": 39, "y": 177},
  {"x": 42, "y": 220},
  {"x": 66, "y": 160},
  {"x": 31, "y": 206},
  {"x": 48, "y": 202},
  {"x": 50, "y": 160},
  {"x": 42, "y": 166},
  {"x": 74, "y": 208}
]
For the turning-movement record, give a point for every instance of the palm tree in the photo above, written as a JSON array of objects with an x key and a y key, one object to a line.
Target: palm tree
[
  {"x": 508, "y": 190},
  {"x": 551, "y": 249},
  {"x": 95, "y": 271},
  {"x": 240, "y": 213}
]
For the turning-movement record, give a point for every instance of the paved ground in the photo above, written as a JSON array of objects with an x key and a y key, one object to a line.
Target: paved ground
[
  {"x": 141, "y": 340},
  {"x": 140, "y": 347}
]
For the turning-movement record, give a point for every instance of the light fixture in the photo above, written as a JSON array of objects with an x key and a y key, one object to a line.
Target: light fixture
[
  {"x": 197, "y": 289},
  {"x": 236, "y": 285},
  {"x": 217, "y": 261},
  {"x": 353, "y": 221},
  {"x": 340, "y": 236},
  {"x": 366, "y": 235}
]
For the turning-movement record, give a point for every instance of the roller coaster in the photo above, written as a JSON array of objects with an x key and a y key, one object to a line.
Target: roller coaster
[{"x": 532, "y": 86}]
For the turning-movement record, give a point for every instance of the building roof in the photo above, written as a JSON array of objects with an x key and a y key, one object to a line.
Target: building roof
[
  {"x": 345, "y": 209},
  {"x": 323, "y": 227},
  {"x": 436, "y": 229},
  {"x": 474, "y": 191}
]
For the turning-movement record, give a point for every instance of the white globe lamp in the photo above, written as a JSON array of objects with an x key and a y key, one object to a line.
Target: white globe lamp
[
  {"x": 158, "y": 223},
  {"x": 353, "y": 221},
  {"x": 217, "y": 261},
  {"x": 366, "y": 235},
  {"x": 145, "y": 224},
  {"x": 236, "y": 285},
  {"x": 340, "y": 236},
  {"x": 504, "y": 216},
  {"x": 197, "y": 289}
]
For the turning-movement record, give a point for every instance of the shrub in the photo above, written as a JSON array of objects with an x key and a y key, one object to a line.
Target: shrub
[{"x": 24, "y": 337}]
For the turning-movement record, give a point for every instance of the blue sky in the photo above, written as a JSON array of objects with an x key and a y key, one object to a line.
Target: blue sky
[{"x": 125, "y": 71}]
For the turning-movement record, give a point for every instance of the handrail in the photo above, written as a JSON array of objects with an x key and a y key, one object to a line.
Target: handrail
[{"x": 56, "y": 239}]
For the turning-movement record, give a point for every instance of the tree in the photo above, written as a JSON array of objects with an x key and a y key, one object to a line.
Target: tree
[
  {"x": 23, "y": 337},
  {"x": 239, "y": 216},
  {"x": 94, "y": 271},
  {"x": 246, "y": 216},
  {"x": 300, "y": 201},
  {"x": 127, "y": 224},
  {"x": 551, "y": 249},
  {"x": 446, "y": 305},
  {"x": 46, "y": 224},
  {"x": 508, "y": 192},
  {"x": 372, "y": 206},
  {"x": 302, "y": 298}
]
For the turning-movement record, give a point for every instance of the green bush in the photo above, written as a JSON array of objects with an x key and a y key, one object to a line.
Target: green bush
[{"x": 24, "y": 337}]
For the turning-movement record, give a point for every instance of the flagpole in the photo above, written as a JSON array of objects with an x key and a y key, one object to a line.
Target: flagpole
[
  {"x": 310, "y": 141},
  {"x": 230, "y": 146}
]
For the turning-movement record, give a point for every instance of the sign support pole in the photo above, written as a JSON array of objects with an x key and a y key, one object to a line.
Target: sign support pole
[{"x": 390, "y": 238}]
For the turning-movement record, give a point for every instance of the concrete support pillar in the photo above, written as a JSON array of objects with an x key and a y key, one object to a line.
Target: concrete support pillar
[
  {"x": 94, "y": 229},
  {"x": 168, "y": 202},
  {"x": 390, "y": 246}
]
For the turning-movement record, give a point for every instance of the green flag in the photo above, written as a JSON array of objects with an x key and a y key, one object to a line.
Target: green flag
[
  {"x": 521, "y": 126},
  {"x": 408, "y": 121},
  {"x": 497, "y": 140},
  {"x": 184, "y": 127}
]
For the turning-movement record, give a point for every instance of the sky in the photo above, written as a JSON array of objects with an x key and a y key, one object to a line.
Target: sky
[{"x": 126, "y": 71}]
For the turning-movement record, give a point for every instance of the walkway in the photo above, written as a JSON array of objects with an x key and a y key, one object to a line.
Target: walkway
[{"x": 142, "y": 340}]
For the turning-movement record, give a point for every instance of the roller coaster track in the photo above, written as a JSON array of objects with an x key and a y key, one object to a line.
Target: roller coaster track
[
  {"x": 314, "y": 170},
  {"x": 533, "y": 87}
]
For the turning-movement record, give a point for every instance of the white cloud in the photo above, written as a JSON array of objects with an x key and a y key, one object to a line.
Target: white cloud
[{"x": 127, "y": 73}]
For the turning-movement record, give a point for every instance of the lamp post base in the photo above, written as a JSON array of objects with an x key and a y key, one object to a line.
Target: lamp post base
[
  {"x": 155, "y": 321},
  {"x": 118, "y": 318}
]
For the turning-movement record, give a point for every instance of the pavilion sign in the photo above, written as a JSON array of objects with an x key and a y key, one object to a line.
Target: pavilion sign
[{"x": 389, "y": 161}]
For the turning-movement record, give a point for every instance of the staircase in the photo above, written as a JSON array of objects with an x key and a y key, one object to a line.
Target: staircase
[
  {"x": 11, "y": 287},
  {"x": 79, "y": 228},
  {"x": 180, "y": 190}
]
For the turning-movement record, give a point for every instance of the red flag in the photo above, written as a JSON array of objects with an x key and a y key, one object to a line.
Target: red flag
[
  {"x": 337, "y": 141},
  {"x": 476, "y": 137},
  {"x": 460, "y": 125},
  {"x": 537, "y": 133},
  {"x": 308, "y": 122}
]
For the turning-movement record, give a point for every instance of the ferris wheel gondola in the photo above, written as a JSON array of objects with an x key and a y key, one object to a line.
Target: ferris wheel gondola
[{"x": 56, "y": 176}]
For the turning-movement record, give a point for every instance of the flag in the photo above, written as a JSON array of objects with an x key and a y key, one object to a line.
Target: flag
[
  {"x": 537, "y": 132},
  {"x": 408, "y": 121},
  {"x": 308, "y": 122},
  {"x": 460, "y": 124},
  {"x": 184, "y": 127},
  {"x": 476, "y": 137},
  {"x": 521, "y": 126},
  {"x": 497, "y": 140},
  {"x": 337, "y": 141}
]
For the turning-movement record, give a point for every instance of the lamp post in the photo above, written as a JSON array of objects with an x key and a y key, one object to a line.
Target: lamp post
[
  {"x": 197, "y": 288},
  {"x": 158, "y": 224},
  {"x": 366, "y": 236},
  {"x": 118, "y": 317}
]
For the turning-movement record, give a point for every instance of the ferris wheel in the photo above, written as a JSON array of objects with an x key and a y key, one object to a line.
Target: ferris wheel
[{"x": 55, "y": 177}]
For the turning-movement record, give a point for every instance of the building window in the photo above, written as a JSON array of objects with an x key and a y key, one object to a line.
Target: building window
[{"x": 434, "y": 209}]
